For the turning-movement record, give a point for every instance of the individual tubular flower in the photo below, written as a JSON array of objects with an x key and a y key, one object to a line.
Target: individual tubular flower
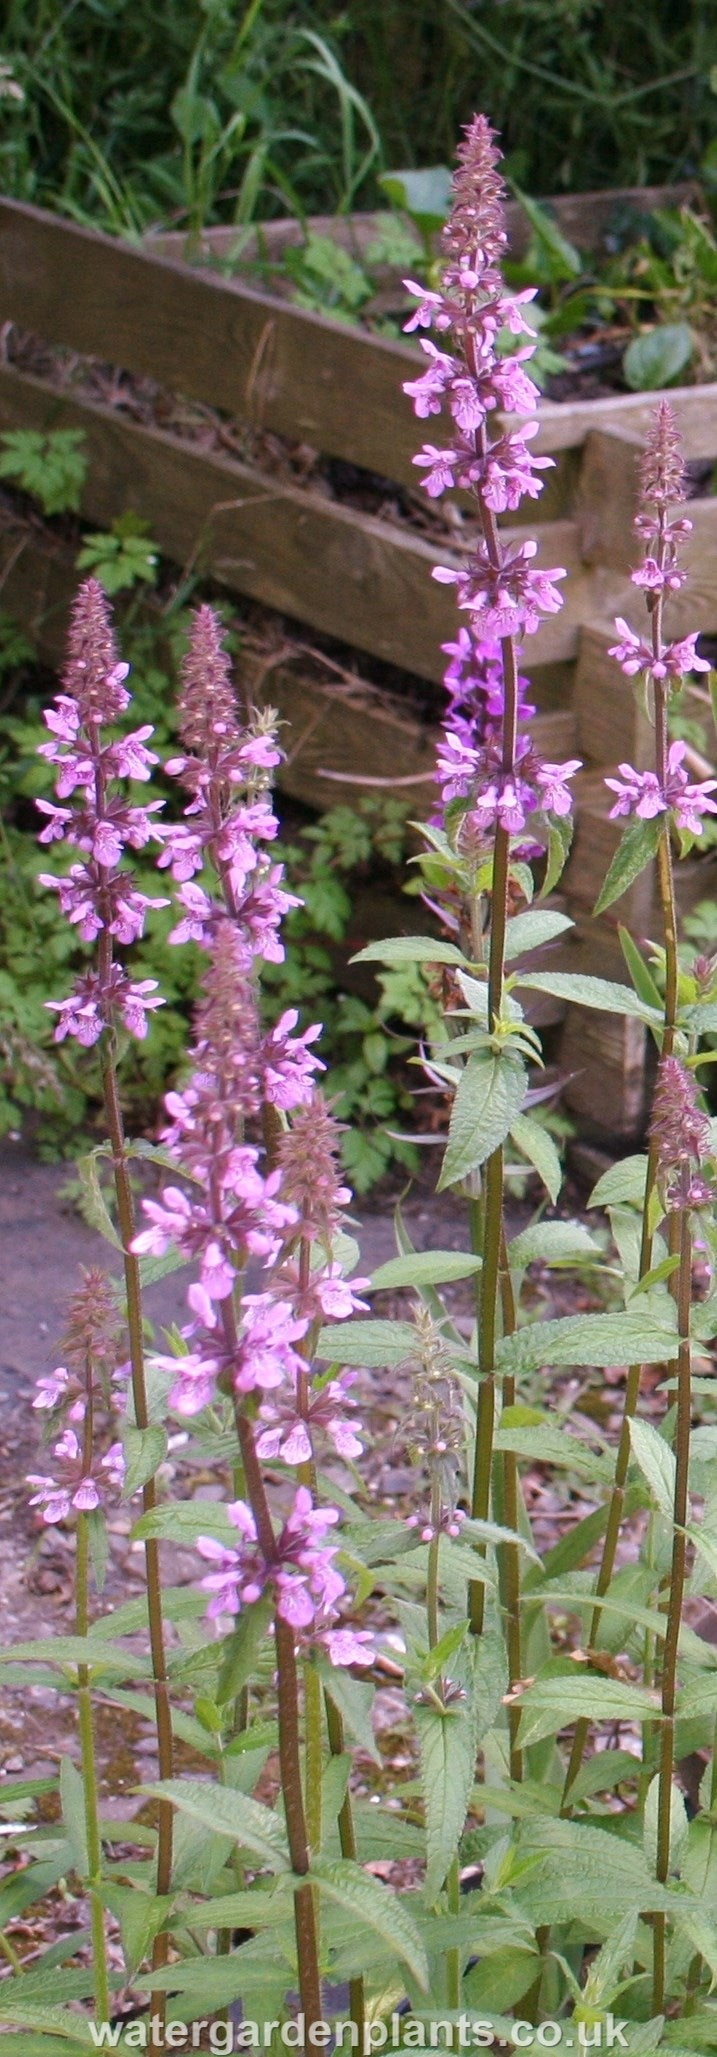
[
  {"x": 96, "y": 895},
  {"x": 681, "y": 1136}
]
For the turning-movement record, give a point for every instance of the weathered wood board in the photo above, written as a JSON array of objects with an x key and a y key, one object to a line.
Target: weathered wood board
[{"x": 346, "y": 573}]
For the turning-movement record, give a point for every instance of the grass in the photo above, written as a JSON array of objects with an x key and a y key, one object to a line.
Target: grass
[{"x": 190, "y": 113}]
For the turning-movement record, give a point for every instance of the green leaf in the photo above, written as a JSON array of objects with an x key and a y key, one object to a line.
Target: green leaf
[
  {"x": 410, "y": 950},
  {"x": 584, "y": 1876},
  {"x": 679, "y": 1825},
  {"x": 50, "y": 2021},
  {"x": 490, "y": 1095},
  {"x": 657, "y": 1464},
  {"x": 638, "y": 847},
  {"x": 140, "y": 1915},
  {"x": 640, "y": 973},
  {"x": 655, "y": 359},
  {"x": 242, "y": 1646},
  {"x": 72, "y": 1798},
  {"x": 59, "y": 1651},
  {"x": 537, "y": 1145},
  {"x": 553, "y": 1243},
  {"x": 353, "y": 1700},
  {"x": 552, "y": 1704},
  {"x": 530, "y": 930},
  {"x": 425, "y": 1268},
  {"x": 603, "y": 1773},
  {"x": 622, "y": 1185},
  {"x": 144, "y": 1451},
  {"x": 447, "y": 1746},
  {"x": 606, "y": 995},
  {"x": 184, "y": 1520},
  {"x": 371, "y": 1344},
  {"x": 548, "y": 1445},
  {"x": 425, "y": 195},
  {"x": 654, "y": 1277},
  {"x": 591, "y": 1339},
  {"x": 560, "y": 836},
  {"x": 93, "y": 1205},
  {"x": 439, "y": 1658},
  {"x": 99, "y": 1544},
  {"x": 565, "y": 262},
  {"x": 228, "y": 1813},
  {"x": 377, "y": 1907}
]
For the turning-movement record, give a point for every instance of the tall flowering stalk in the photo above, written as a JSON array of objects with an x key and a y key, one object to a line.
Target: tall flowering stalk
[
  {"x": 77, "y": 1399},
  {"x": 280, "y": 1204},
  {"x": 495, "y": 789},
  {"x": 654, "y": 802},
  {"x": 94, "y": 761}
]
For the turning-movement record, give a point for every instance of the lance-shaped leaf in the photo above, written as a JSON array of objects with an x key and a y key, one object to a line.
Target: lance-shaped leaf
[
  {"x": 490, "y": 1095},
  {"x": 537, "y": 1145},
  {"x": 376, "y": 1906},
  {"x": 447, "y": 1746},
  {"x": 530, "y": 930},
  {"x": 228, "y": 1813},
  {"x": 424, "y": 1268},
  {"x": 593, "y": 1339},
  {"x": 608, "y": 996},
  {"x": 657, "y": 1464},
  {"x": 638, "y": 847},
  {"x": 410, "y": 950},
  {"x": 368, "y": 1343},
  {"x": 553, "y": 1703}
]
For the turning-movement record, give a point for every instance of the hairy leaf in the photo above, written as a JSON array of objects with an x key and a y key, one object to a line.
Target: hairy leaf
[
  {"x": 537, "y": 1145},
  {"x": 638, "y": 847},
  {"x": 447, "y": 1746},
  {"x": 228, "y": 1813},
  {"x": 490, "y": 1095},
  {"x": 377, "y": 1906}
]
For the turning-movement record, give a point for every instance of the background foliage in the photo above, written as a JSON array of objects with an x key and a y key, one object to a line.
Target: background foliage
[{"x": 208, "y": 112}]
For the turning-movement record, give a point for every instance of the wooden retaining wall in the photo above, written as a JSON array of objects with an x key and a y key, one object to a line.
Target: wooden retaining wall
[{"x": 362, "y": 579}]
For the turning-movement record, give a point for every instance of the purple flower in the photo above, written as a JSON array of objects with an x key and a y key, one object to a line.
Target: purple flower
[
  {"x": 634, "y": 655},
  {"x": 78, "y": 1482},
  {"x": 302, "y": 1577},
  {"x": 290, "y": 1435},
  {"x": 640, "y": 793},
  {"x": 95, "y": 895},
  {"x": 266, "y": 1356},
  {"x": 555, "y": 794}
]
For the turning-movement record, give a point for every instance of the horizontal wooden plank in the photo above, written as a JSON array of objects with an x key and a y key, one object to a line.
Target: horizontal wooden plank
[
  {"x": 345, "y": 573},
  {"x": 261, "y": 360},
  {"x": 342, "y": 735},
  {"x": 565, "y": 423},
  {"x": 255, "y": 357},
  {"x": 585, "y": 218}
]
